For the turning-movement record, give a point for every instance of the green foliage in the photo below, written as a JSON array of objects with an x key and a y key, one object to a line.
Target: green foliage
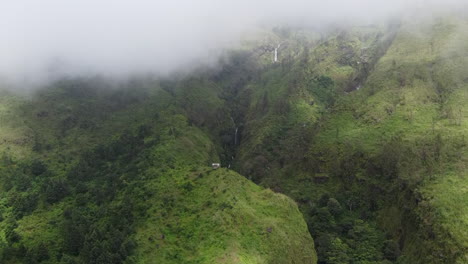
[
  {"x": 323, "y": 89},
  {"x": 364, "y": 128},
  {"x": 337, "y": 252},
  {"x": 341, "y": 238},
  {"x": 397, "y": 141},
  {"x": 91, "y": 186},
  {"x": 391, "y": 250},
  {"x": 222, "y": 217},
  {"x": 55, "y": 189},
  {"x": 22, "y": 203}
]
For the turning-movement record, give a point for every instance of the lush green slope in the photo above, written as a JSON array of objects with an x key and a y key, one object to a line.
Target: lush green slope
[
  {"x": 391, "y": 153},
  {"x": 93, "y": 174},
  {"x": 407, "y": 117},
  {"x": 364, "y": 127},
  {"x": 220, "y": 217}
]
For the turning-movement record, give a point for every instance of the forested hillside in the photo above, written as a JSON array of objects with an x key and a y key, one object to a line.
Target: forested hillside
[
  {"x": 366, "y": 131},
  {"x": 355, "y": 136},
  {"x": 93, "y": 174}
]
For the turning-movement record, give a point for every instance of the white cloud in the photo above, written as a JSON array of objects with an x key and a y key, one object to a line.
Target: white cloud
[{"x": 120, "y": 37}]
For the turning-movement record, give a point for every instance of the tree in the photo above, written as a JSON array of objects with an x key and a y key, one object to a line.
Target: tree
[
  {"x": 37, "y": 254},
  {"x": 38, "y": 167},
  {"x": 23, "y": 203},
  {"x": 55, "y": 190},
  {"x": 337, "y": 253},
  {"x": 334, "y": 207},
  {"x": 10, "y": 233},
  {"x": 366, "y": 242},
  {"x": 74, "y": 230},
  {"x": 391, "y": 250},
  {"x": 323, "y": 221}
]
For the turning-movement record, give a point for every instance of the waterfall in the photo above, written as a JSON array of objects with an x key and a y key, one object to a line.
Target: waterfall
[
  {"x": 235, "y": 137},
  {"x": 276, "y": 52}
]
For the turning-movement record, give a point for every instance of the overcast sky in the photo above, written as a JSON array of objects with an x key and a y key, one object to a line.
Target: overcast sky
[{"x": 121, "y": 37}]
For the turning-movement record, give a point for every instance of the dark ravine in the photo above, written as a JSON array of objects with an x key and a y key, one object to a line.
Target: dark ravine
[{"x": 401, "y": 229}]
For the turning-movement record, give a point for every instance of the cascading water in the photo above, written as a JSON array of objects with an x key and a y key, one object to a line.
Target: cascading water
[
  {"x": 276, "y": 53},
  {"x": 235, "y": 137}
]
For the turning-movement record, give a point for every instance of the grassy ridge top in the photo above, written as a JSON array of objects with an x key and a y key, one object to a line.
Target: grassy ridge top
[{"x": 220, "y": 217}]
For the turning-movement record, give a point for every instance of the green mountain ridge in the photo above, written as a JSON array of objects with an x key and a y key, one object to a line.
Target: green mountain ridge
[
  {"x": 132, "y": 181},
  {"x": 363, "y": 127}
]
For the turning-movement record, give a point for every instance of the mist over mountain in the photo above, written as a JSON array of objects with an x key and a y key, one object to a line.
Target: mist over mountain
[
  {"x": 51, "y": 39},
  {"x": 234, "y": 132}
]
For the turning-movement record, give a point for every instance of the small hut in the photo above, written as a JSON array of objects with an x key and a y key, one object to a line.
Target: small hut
[{"x": 215, "y": 166}]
